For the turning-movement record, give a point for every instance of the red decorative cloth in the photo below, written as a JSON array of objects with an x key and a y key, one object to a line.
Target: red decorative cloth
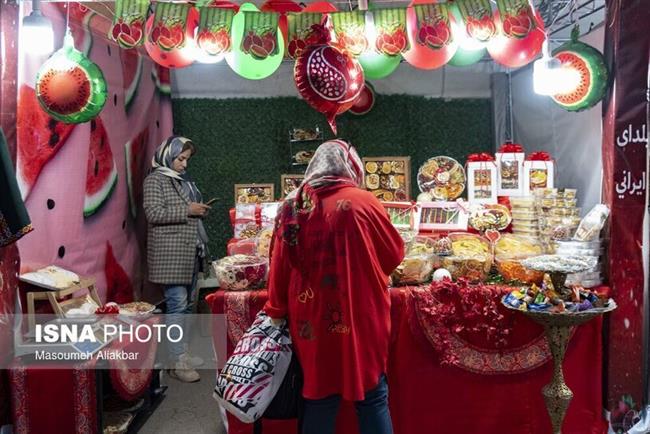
[
  {"x": 424, "y": 394},
  {"x": 336, "y": 293}
]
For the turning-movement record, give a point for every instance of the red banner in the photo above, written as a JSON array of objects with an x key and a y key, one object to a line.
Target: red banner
[{"x": 625, "y": 182}]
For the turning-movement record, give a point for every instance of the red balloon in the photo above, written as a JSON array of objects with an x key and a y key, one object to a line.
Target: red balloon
[
  {"x": 320, "y": 6},
  {"x": 328, "y": 79},
  {"x": 365, "y": 102},
  {"x": 514, "y": 52},
  {"x": 422, "y": 56},
  {"x": 176, "y": 57},
  {"x": 282, "y": 7}
]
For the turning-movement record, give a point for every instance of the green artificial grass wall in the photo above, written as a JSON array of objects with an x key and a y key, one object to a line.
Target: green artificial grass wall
[{"x": 247, "y": 140}]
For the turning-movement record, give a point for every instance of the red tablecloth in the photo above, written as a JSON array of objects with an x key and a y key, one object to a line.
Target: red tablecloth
[{"x": 426, "y": 397}]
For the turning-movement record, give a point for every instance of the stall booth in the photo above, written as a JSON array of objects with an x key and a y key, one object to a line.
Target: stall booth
[{"x": 507, "y": 143}]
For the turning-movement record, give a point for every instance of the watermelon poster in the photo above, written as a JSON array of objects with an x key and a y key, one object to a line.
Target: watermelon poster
[{"x": 82, "y": 183}]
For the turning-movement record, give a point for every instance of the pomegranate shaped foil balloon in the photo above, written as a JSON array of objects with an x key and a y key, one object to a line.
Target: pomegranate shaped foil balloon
[{"x": 329, "y": 80}]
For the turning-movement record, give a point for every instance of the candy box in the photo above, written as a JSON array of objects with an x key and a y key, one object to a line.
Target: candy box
[
  {"x": 510, "y": 170},
  {"x": 481, "y": 181},
  {"x": 538, "y": 174}
]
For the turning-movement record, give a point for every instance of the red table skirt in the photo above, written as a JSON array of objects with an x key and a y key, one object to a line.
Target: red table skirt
[{"x": 427, "y": 398}]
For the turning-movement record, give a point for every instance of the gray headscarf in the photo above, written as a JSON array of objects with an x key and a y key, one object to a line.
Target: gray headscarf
[{"x": 162, "y": 162}]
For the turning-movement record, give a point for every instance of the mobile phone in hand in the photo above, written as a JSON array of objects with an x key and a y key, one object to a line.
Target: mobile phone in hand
[{"x": 211, "y": 201}]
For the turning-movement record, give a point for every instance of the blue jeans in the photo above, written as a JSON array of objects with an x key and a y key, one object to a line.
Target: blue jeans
[
  {"x": 178, "y": 300},
  {"x": 374, "y": 417}
]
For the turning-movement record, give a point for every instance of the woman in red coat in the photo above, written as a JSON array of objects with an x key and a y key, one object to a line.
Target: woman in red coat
[{"x": 333, "y": 250}]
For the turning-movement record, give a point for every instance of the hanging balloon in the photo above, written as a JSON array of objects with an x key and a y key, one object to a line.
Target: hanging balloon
[
  {"x": 430, "y": 34},
  {"x": 257, "y": 43},
  {"x": 388, "y": 37},
  {"x": 478, "y": 19},
  {"x": 213, "y": 34},
  {"x": 350, "y": 31},
  {"x": 517, "y": 18},
  {"x": 365, "y": 102},
  {"x": 469, "y": 50},
  {"x": 128, "y": 22},
  {"x": 330, "y": 80},
  {"x": 305, "y": 29},
  {"x": 283, "y": 7},
  {"x": 170, "y": 34},
  {"x": 69, "y": 86},
  {"x": 589, "y": 74},
  {"x": 320, "y": 6},
  {"x": 515, "y": 52}
]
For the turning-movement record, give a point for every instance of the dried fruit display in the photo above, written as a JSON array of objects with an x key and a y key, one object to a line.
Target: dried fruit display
[
  {"x": 443, "y": 177},
  {"x": 388, "y": 178}
]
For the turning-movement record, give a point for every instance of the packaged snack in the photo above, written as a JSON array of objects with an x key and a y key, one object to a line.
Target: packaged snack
[
  {"x": 486, "y": 217},
  {"x": 421, "y": 246},
  {"x": 263, "y": 242},
  {"x": 443, "y": 247},
  {"x": 512, "y": 270},
  {"x": 590, "y": 226},
  {"x": 474, "y": 269},
  {"x": 414, "y": 270},
  {"x": 240, "y": 272},
  {"x": 469, "y": 245},
  {"x": 516, "y": 246},
  {"x": 245, "y": 224}
]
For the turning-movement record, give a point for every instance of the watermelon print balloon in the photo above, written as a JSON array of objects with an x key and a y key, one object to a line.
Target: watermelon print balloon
[
  {"x": 180, "y": 56},
  {"x": 329, "y": 80},
  {"x": 69, "y": 86},
  {"x": 248, "y": 64},
  {"x": 589, "y": 64},
  {"x": 469, "y": 51},
  {"x": 432, "y": 41},
  {"x": 515, "y": 52}
]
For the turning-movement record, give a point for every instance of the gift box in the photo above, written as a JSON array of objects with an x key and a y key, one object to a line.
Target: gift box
[
  {"x": 539, "y": 172},
  {"x": 481, "y": 178},
  {"x": 510, "y": 169}
]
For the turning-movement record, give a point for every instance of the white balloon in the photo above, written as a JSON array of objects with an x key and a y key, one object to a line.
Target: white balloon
[{"x": 440, "y": 274}]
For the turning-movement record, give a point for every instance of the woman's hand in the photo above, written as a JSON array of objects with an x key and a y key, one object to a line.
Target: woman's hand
[{"x": 197, "y": 209}]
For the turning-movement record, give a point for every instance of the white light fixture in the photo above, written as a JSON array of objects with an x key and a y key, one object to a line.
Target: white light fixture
[
  {"x": 551, "y": 77},
  {"x": 37, "y": 32}
]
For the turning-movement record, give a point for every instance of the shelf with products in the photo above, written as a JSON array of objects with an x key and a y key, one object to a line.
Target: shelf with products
[{"x": 303, "y": 143}]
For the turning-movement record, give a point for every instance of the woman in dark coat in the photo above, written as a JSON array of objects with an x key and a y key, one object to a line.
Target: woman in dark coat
[{"x": 176, "y": 238}]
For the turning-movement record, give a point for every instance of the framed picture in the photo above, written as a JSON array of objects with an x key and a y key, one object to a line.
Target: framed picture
[
  {"x": 290, "y": 182},
  {"x": 443, "y": 216},
  {"x": 254, "y": 193},
  {"x": 482, "y": 182},
  {"x": 388, "y": 178}
]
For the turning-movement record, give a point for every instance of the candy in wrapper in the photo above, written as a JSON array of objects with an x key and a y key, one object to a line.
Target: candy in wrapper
[
  {"x": 585, "y": 305},
  {"x": 547, "y": 284},
  {"x": 538, "y": 307},
  {"x": 575, "y": 294},
  {"x": 558, "y": 308},
  {"x": 539, "y": 298},
  {"x": 512, "y": 300}
]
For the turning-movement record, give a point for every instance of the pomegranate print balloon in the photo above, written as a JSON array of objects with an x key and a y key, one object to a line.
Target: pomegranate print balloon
[{"x": 329, "y": 80}]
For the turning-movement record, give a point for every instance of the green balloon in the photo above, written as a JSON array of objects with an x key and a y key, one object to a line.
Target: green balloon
[
  {"x": 467, "y": 57},
  {"x": 72, "y": 66},
  {"x": 376, "y": 65},
  {"x": 245, "y": 64}
]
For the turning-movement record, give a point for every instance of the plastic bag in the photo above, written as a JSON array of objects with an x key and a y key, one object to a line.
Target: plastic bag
[
  {"x": 245, "y": 223},
  {"x": 591, "y": 225},
  {"x": 253, "y": 374}
]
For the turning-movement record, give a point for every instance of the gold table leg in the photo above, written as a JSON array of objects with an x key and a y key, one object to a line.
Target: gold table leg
[{"x": 557, "y": 394}]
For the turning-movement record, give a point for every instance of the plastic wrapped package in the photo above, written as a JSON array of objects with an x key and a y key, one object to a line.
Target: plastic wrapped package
[
  {"x": 590, "y": 227},
  {"x": 240, "y": 272},
  {"x": 263, "y": 242},
  {"x": 473, "y": 268},
  {"x": 517, "y": 246},
  {"x": 469, "y": 245},
  {"x": 414, "y": 270},
  {"x": 513, "y": 270},
  {"x": 246, "y": 246},
  {"x": 245, "y": 223}
]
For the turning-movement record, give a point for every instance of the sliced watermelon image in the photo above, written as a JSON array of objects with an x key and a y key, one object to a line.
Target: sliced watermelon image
[
  {"x": 131, "y": 74},
  {"x": 39, "y": 139},
  {"x": 101, "y": 174},
  {"x": 135, "y": 151},
  {"x": 161, "y": 78},
  {"x": 119, "y": 288}
]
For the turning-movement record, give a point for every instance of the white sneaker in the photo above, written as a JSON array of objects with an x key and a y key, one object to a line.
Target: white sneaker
[
  {"x": 183, "y": 372},
  {"x": 192, "y": 361}
]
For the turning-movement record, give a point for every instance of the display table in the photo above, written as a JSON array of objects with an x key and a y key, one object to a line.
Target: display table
[{"x": 487, "y": 392}]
